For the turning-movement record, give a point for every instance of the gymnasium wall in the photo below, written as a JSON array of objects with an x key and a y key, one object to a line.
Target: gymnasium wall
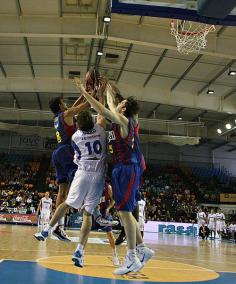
[{"x": 160, "y": 153}]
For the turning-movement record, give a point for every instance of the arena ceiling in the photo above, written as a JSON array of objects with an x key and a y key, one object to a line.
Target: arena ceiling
[{"x": 42, "y": 41}]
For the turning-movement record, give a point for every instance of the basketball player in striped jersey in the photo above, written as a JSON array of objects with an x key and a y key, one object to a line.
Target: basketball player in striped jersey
[
  {"x": 89, "y": 143},
  {"x": 212, "y": 223},
  {"x": 113, "y": 99},
  {"x": 45, "y": 209},
  {"x": 125, "y": 177},
  {"x": 62, "y": 157}
]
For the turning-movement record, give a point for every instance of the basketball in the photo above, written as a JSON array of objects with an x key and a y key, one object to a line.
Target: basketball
[{"x": 92, "y": 80}]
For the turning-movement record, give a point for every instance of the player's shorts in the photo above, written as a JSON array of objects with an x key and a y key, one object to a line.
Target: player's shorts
[
  {"x": 212, "y": 226},
  {"x": 62, "y": 159},
  {"x": 220, "y": 226},
  {"x": 125, "y": 182},
  {"x": 201, "y": 223},
  {"x": 86, "y": 190},
  {"x": 45, "y": 216}
]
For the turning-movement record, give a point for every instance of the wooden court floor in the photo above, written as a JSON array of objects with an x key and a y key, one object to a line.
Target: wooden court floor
[{"x": 178, "y": 259}]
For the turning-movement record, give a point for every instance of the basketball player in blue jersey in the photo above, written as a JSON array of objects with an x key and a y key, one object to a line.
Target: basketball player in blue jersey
[
  {"x": 125, "y": 177},
  {"x": 62, "y": 157}
]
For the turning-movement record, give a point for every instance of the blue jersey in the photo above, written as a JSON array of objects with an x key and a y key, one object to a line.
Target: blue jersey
[
  {"x": 64, "y": 131},
  {"x": 122, "y": 150}
]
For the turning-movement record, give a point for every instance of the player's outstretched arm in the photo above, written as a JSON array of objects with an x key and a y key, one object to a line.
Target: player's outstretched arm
[
  {"x": 100, "y": 109},
  {"x": 79, "y": 101},
  {"x": 72, "y": 111},
  {"x": 111, "y": 98}
]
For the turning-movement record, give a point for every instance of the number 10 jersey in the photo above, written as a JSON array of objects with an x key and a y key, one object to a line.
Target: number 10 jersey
[{"x": 90, "y": 149}]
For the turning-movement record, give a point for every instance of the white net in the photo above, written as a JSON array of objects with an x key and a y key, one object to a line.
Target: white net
[{"x": 190, "y": 36}]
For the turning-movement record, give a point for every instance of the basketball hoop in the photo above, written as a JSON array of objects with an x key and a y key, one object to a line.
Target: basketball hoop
[{"x": 190, "y": 36}]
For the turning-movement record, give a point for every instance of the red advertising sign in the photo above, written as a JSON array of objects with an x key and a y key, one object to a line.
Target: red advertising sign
[{"x": 18, "y": 218}]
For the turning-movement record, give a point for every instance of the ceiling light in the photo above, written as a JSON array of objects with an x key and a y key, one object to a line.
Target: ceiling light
[
  {"x": 180, "y": 118},
  {"x": 219, "y": 131},
  {"x": 210, "y": 92},
  {"x": 99, "y": 53},
  {"x": 106, "y": 19},
  {"x": 228, "y": 126},
  {"x": 232, "y": 72}
]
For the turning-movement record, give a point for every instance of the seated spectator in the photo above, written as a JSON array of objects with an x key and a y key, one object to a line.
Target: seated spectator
[{"x": 204, "y": 232}]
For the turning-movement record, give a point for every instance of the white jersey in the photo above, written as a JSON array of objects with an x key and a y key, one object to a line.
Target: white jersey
[
  {"x": 201, "y": 216},
  {"x": 46, "y": 204},
  {"x": 212, "y": 222},
  {"x": 141, "y": 205},
  {"x": 220, "y": 217},
  {"x": 220, "y": 222},
  {"x": 90, "y": 149},
  {"x": 211, "y": 218}
]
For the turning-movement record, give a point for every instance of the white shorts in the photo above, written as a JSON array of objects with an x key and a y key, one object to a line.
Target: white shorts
[
  {"x": 220, "y": 226},
  {"x": 45, "y": 216},
  {"x": 212, "y": 226},
  {"x": 86, "y": 190},
  {"x": 201, "y": 222}
]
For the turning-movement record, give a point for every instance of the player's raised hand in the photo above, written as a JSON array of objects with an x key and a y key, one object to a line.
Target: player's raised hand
[{"x": 79, "y": 85}]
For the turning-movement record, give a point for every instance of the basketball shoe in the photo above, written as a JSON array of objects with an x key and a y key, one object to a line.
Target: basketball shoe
[
  {"x": 106, "y": 222},
  {"x": 129, "y": 265},
  {"x": 78, "y": 258},
  {"x": 61, "y": 234},
  {"x": 144, "y": 254},
  {"x": 115, "y": 260},
  {"x": 41, "y": 236}
]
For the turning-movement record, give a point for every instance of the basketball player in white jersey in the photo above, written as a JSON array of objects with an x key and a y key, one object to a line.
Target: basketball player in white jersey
[
  {"x": 201, "y": 218},
  {"x": 89, "y": 143},
  {"x": 45, "y": 209},
  {"x": 212, "y": 223},
  {"x": 142, "y": 204},
  {"x": 220, "y": 222}
]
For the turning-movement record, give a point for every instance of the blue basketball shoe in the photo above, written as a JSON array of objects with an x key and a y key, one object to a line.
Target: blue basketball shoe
[
  {"x": 78, "y": 258},
  {"x": 41, "y": 236}
]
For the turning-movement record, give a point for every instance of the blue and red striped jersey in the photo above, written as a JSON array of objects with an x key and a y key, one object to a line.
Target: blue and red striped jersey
[
  {"x": 122, "y": 149},
  {"x": 64, "y": 131}
]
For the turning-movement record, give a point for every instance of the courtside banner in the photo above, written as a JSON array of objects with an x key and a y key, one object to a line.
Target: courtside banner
[
  {"x": 18, "y": 218},
  {"x": 171, "y": 228}
]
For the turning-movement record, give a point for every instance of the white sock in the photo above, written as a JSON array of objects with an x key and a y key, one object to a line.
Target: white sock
[
  {"x": 61, "y": 221},
  {"x": 80, "y": 247},
  {"x": 131, "y": 253},
  {"x": 114, "y": 253},
  {"x": 142, "y": 245}
]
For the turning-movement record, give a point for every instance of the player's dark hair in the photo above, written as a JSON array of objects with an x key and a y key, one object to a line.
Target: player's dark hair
[
  {"x": 132, "y": 107},
  {"x": 54, "y": 104},
  {"x": 85, "y": 121}
]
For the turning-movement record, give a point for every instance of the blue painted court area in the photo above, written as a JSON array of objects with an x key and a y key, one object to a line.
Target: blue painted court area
[{"x": 27, "y": 272}]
